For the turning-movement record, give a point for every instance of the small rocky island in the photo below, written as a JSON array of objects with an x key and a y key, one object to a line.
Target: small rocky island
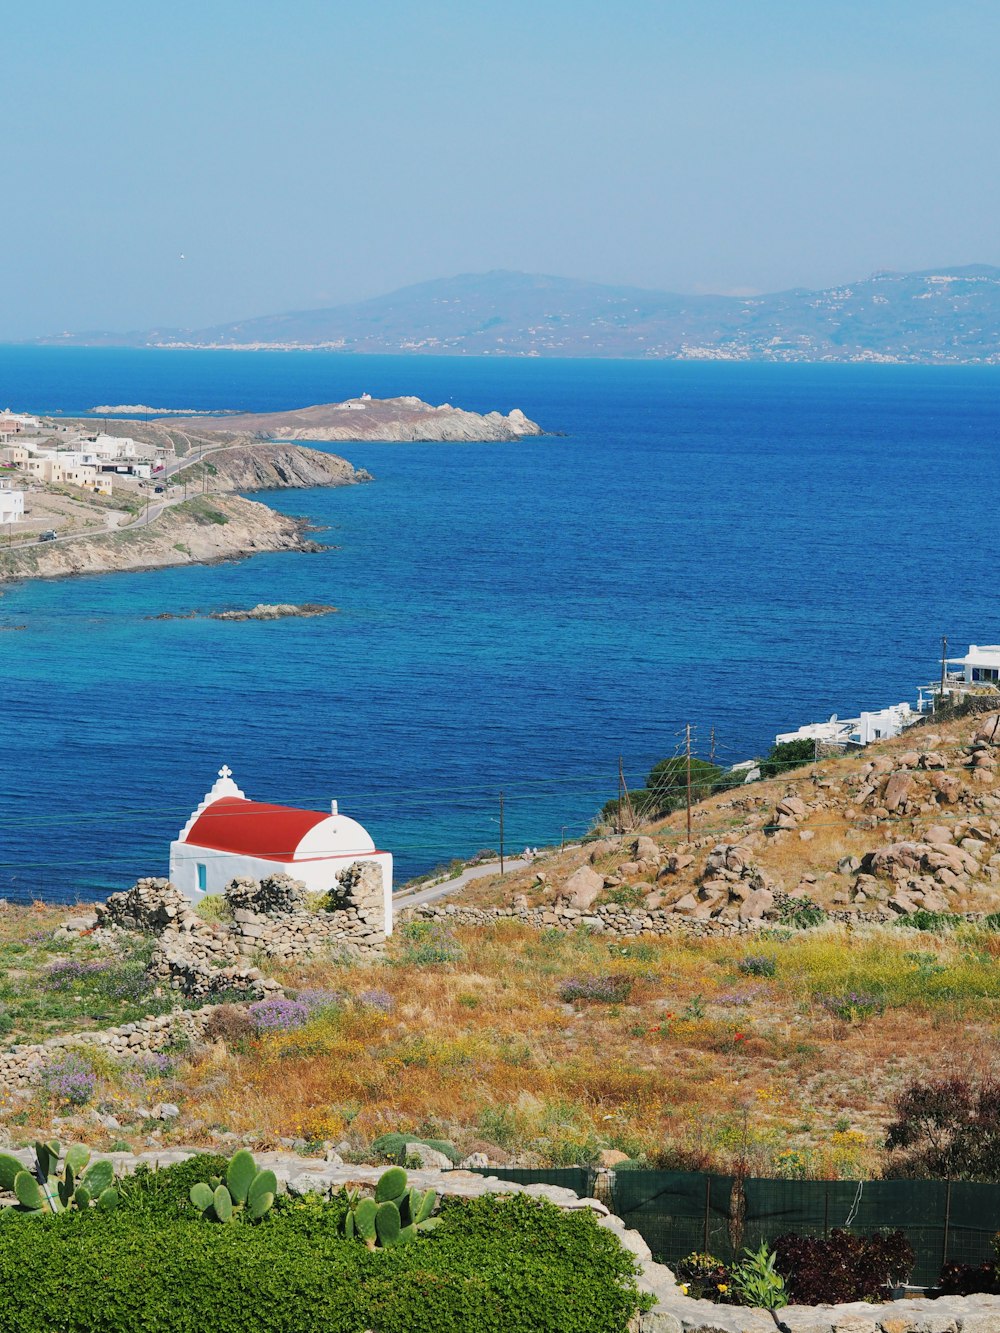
[
  {"x": 262, "y": 611},
  {"x": 379, "y": 419}
]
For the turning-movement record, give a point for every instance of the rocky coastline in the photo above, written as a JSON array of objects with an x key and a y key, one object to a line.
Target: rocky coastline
[{"x": 201, "y": 531}]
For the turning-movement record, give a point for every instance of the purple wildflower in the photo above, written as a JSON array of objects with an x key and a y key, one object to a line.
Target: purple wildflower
[
  {"x": 608, "y": 990},
  {"x": 378, "y": 999},
  {"x": 278, "y": 1014},
  {"x": 852, "y": 1005},
  {"x": 69, "y": 1078},
  {"x": 316, "y": 998},
  {"x": 65, "y": 973}
]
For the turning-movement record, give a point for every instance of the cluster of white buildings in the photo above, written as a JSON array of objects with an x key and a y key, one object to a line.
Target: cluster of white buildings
[
  {"x": 91, "y": 465},
  {"x": 863, "y": 730},
  {"x": 977, "y": 672}
]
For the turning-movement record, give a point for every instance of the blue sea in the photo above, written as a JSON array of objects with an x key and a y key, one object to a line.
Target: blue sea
[{"x": 742, "y": 547}]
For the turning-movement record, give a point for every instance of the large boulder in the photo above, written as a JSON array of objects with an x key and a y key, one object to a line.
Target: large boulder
[
  {"x": 897, "y": 788},
  {"x": 791, "y": 805},
  {"x": 989, "y": 729},
  {"x": 947, "y": 786},
  {"x": 645, "y": 849},
  {"x": 582, "y": 888}
]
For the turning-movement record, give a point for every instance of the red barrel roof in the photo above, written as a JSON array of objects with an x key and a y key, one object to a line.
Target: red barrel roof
[{"x": 250, "y": 828}]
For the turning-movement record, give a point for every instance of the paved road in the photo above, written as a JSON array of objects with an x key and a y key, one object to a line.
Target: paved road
[
  {"x": 150, "y": 515},
  {"x": 444, "y": 887}
]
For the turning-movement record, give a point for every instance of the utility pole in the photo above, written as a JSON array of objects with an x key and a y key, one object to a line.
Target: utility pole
[
  {"x": 944, "y": 663},
  {"x": 501, "y": 833},
  {"x": 562, "y": 838},
  {"x": 626, "y": 815},
  {"x": 687, "y": 752}
]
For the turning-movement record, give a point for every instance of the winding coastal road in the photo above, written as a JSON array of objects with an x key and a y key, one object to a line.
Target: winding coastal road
[{"x": 149, "y": 513}]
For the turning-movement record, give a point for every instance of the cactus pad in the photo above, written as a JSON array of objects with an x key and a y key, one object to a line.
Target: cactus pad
[
  {"x": 27, "y": 1191},
  {"x": 387, "y": 1224},
  {"x": 222, "y": 1202},
  {"x": 391, "y": 1185},
  {"x": 240, "y": 1176},
  {"x": 201, "y": 1196}
]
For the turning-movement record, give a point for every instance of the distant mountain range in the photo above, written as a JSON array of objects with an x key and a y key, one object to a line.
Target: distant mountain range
[{"x": 948, "y": 316}]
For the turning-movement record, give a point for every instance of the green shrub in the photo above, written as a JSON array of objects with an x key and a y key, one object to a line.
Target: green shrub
[
  {"x": 511, "y": 1265},
  {"x": 787, "y": 755},
  {"x": 393, "y": 1147},
  {"x": 936, "y": 922},
  {"x": 165, "y": 1193},
  {"x": 424, "y": 943},
  {"x": 801, "y": 913}
]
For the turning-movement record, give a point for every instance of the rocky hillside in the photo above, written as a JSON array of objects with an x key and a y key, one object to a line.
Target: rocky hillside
[
  {"x": 390, "y": 419},
  {"x": 200, "y": 531},
  {"x": 910, "y": 825},
  {"x": 264, "y": 467}
]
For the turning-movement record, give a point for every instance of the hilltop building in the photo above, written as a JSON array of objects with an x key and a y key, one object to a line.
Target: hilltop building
[
  {"x": 979, "y": 666},
  {"x": 229, "y": 836}
]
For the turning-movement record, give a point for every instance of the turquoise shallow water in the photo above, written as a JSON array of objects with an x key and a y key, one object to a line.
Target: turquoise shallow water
[{"x": 749, "y": 547}]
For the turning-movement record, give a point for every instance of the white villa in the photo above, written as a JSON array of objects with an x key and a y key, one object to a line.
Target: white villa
[
  {"x": 863, "y": 730},
  {"x": 979, "y": 666},
  {"x": 229, "y": 836},
  {"x": 11, "y": 502}
]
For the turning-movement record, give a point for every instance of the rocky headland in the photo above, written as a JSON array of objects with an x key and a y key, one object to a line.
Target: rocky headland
[
  {"x": 200, "y": 531},
  {"x": 249, "y": 465},
  {"x": 380, "y": 419},
  {"x": 213, "y": 524}
]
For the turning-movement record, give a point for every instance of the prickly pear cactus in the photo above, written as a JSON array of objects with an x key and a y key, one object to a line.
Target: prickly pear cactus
[
  {"x": 46, "y": 1189},
  {"x": 396, "y": 1215},
  {"x": 246, "y": 1194}
]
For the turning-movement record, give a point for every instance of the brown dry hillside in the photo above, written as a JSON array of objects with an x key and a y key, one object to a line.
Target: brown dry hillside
[{"x": 908, "y": 824}]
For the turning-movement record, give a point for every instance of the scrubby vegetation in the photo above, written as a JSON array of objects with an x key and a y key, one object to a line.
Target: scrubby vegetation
[{"x": 784, "y": 1056}]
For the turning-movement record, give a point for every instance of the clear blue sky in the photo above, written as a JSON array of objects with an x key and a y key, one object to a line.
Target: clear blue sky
[{"x": 307, "y": 152}]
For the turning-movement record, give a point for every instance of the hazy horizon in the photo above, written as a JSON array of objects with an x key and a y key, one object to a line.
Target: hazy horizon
[{"x": 196, "y": 165}]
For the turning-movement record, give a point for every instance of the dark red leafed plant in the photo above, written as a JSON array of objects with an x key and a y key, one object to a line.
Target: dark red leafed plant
[
  {"x": 946, "y": 1129},
  {"x": 969, "y": 1280},
  {"x": 843, "y": 1267}
]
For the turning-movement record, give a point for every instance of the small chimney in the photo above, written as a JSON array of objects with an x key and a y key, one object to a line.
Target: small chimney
[{"x": 333, "y": 807}]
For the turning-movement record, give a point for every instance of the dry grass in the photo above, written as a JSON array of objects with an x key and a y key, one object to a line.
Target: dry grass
[{"x": 703, "y": 1064}]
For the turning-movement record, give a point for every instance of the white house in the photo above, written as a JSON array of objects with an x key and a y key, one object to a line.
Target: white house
[
  {"x": 108, "y": 447},
  {"x": 11, "y": 502},
  {"x": 230, "y": 836},
  {"x": 874, "y": 726},
  {"x": 979, "y": 666}
]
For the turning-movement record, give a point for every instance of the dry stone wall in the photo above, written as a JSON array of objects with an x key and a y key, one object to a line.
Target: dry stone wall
[
  {"x": 269, "y": 918},
  {"x": 20, "y": 1065}
]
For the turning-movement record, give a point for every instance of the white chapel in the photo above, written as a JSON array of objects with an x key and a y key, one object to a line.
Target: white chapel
[{"x": 229, "y": 836}]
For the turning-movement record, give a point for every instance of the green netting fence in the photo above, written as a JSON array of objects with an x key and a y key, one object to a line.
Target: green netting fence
[
  {"x": 943, "y": 1221},
  {"x": 677, "y": 1212}
]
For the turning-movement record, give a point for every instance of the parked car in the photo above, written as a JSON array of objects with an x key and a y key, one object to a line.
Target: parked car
[
  {"x": 157, "y": 490},
  {"x": 48, "y": 536}
]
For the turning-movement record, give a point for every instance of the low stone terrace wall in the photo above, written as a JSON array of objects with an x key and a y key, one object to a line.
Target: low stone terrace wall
[{"x": 20, "y": 1065}]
